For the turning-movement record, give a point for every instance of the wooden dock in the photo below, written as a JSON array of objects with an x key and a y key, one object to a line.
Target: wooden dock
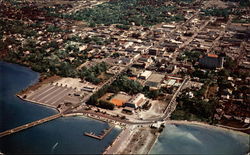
[{"x": 100, "y": 136}]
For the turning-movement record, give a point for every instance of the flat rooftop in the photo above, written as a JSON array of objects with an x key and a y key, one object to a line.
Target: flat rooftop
[{"x": 155, "y": 77}]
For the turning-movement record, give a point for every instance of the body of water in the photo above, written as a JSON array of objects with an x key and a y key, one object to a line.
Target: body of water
[
  {"x": 198, "y": 140},
  {"x": 62, "y": 136}
]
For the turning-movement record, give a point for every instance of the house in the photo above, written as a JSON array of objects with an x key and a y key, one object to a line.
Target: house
[
  {"x": 153, "y": 51},
  {"x": 170, "y": 68},
  {"x": 146, "y": 60},
  {"x": 139, "y": 65},
  {"x": 83, "y": 47},
  {"x": 133, "y": 72},
  {"x": 126, "y": 60},
  {"x": 211, "y": 61},
  {"x": 127, "y": 44}
]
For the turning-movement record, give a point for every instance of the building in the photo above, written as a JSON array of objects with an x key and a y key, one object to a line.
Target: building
[
  {"x": 170, "y": 68},
  {"x": 127, "y": 44},
  {"x": 126, "y": 60},
  {"x": 211, "y": 61},
  {"x": 134, "y": 72},
  {"x": 128, "y": 110},
  {"x": 145, "y": 59},
  {"x": 153, "y": 51},
  {"x": 114, "y": 70},
  {"x": 145, "y": 75},
  {"x": 136, "y": 101},
  {"x": 168, "y": 26},
  {"x": 88, "y": 88},
  {"x": 154, "y": 81}
]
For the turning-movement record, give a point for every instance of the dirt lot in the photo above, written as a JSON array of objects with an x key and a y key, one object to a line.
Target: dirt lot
[{"x": 155, "y": 110}]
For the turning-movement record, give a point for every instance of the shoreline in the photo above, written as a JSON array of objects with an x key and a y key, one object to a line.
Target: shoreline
[
  {"x": 39, "y": 103},
  {"x": 204, "y": 125},
  {"x": 39, "y": 82},
  {"x": 113, "y": 142},
  {"x": 153, "y": 144},
  {"x": 155, "y": 139}
]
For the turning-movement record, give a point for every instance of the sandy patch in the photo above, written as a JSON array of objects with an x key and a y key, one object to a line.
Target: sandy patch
[{"x": 141, "y": 142}]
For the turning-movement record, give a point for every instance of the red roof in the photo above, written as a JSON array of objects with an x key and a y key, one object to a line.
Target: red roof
[
  {"x": 132, "y": 78},
  {"x": 212, "y": 55}
]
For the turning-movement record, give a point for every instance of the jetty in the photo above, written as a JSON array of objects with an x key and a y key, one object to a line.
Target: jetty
[
  {"x": 29, "y": 125},
  {"x": 100, "y": 136}
]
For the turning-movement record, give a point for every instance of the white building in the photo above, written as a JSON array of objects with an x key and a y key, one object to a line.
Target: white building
[
  {"x": 136, "y": 101},
  {"x": 145, "y": 75}
]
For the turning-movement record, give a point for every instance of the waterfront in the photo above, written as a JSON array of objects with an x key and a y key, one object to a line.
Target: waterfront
[
  {"x": 64, "y": 135},
  {"x": 195, "y": 139}
]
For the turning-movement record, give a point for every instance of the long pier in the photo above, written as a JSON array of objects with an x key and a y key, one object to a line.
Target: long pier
[
  {"x": 29, "y": 125},
  {"x": 101, "y": 136}
]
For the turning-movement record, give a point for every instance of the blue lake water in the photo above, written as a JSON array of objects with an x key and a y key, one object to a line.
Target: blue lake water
[
  {"x": 198, "y": 140},
  {"x": 60, "y": 136}
]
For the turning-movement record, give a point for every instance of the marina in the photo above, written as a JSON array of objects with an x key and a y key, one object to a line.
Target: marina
[{"x": 101, "y": 135}]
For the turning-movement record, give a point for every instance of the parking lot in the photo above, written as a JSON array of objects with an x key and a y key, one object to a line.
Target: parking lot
[{"x": 54, "y": 95}]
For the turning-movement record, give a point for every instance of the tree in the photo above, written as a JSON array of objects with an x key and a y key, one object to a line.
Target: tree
[
  {"x": 93, "y": 99},
  {"x": 153, "y": 94},
  {"x": 106, "y": 105},
  {"x": 126, "y": 85}
]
